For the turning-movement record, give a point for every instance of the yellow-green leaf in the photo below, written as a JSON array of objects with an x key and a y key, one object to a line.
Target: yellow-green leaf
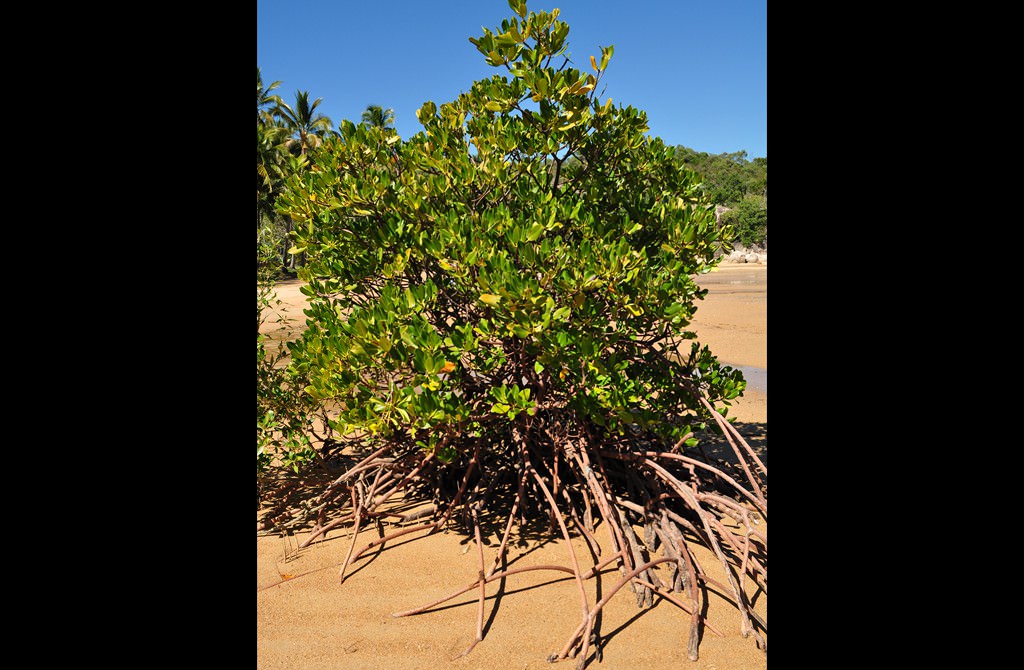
[
  {"x": 493, "y": 106},
  {"x": 593, "y": 63},
  {"x": 490, "y": 298}
]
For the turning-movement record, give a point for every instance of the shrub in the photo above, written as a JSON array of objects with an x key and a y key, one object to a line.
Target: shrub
[{"x": 499, "y": 310}]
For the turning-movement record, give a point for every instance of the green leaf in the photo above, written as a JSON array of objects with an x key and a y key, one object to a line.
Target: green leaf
[
  {"x": 606, "y": 54},
  {"x": 425, "y": 112},
  {"x": 537, "y": 367},
  {"x": 535, "y": 231},
  {"x": 419, "y": 361},
  {"x": 499, "y": 408}
]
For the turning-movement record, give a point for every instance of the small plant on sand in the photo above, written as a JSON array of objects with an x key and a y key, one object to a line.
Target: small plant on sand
[{"x": 498, "y": 319}]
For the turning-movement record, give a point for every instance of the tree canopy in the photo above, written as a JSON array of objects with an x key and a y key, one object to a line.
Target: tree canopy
[
  {"x": 306, "y": 125},
  {"x": 378, "y": 117}
]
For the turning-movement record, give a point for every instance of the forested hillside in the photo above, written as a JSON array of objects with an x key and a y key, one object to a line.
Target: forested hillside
[{"x": 737, "y": 183}]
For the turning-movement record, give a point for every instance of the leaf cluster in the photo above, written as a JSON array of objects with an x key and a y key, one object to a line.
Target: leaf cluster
[{"x": 530, "y": 250}]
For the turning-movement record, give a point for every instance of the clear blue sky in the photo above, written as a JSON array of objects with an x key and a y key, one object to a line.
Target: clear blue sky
[{"x": 698, "y": 68}]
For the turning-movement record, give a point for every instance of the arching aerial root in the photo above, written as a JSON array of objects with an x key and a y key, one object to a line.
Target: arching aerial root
[{"x": 657, "y": 506}]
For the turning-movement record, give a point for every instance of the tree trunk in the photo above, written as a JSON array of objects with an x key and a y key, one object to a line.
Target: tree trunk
[{"x": 287, "y": 242}]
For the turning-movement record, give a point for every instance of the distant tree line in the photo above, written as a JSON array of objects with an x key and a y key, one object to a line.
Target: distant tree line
[{"x": 737, "y": 183}]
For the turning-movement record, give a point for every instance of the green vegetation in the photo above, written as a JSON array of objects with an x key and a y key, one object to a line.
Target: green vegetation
[
  {"x": 728, "y": 178},
  {"x": 749, "y": 218},
  {"x": 733, "y": 181},
  {"x": 378, "y": 117},
  {"x": 498, "y": 324}
]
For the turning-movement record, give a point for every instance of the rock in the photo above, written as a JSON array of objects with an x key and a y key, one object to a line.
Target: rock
[{"x": 750, "y": 258}]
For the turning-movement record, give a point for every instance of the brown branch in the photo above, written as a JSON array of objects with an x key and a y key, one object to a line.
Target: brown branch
[
  {"x": 693, "y": 611},
  {"x": 691, "y": 461},
  {"x": 398, "y": 533},
  {"x": 358, "y": 510},
  {"x": 731, "y": 435},
  {"x": 322, "y": 530},
  {"x": 589, "y": 622},
  {"x": 595, "y": 547},
  {"x": 508, "y": 526},
  {"x": 643, "y": 594},
  {"x": 482, "y": 581},
  {"x": 601, "y": 496},
  {"x": 565, "y": 534},
  {"x": 691, "y": 499},
  {"x": 462, "y": 489},
  {"x": 690, "y": 583}
]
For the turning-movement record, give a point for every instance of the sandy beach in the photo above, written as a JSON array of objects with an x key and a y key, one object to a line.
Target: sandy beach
[{"x": 307, "y": 620}]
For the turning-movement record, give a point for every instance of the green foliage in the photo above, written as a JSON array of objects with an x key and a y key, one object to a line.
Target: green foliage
[
  {"x": 269, "y": 165},
  {"x": 728, "y": 177},
  {"x": 273, "y": 164},
  {"x": 377, "y": 116},
  {"x": 265, "y": 99},
  {"x": 283, "y": 412},
  {"x": 530, "y": 250},
  {"x": 305, "y": 125},
  {"x": 750, "y": 221}
]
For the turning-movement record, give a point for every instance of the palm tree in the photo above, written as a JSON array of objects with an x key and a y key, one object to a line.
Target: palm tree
[
  {"x": 273, "y": 165},
  {"x": 303, "y": 122},
  {"x": 264, "y": 98},
  {"x": 376, "y": 116},
  {"x": 270, "y": 166}
]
